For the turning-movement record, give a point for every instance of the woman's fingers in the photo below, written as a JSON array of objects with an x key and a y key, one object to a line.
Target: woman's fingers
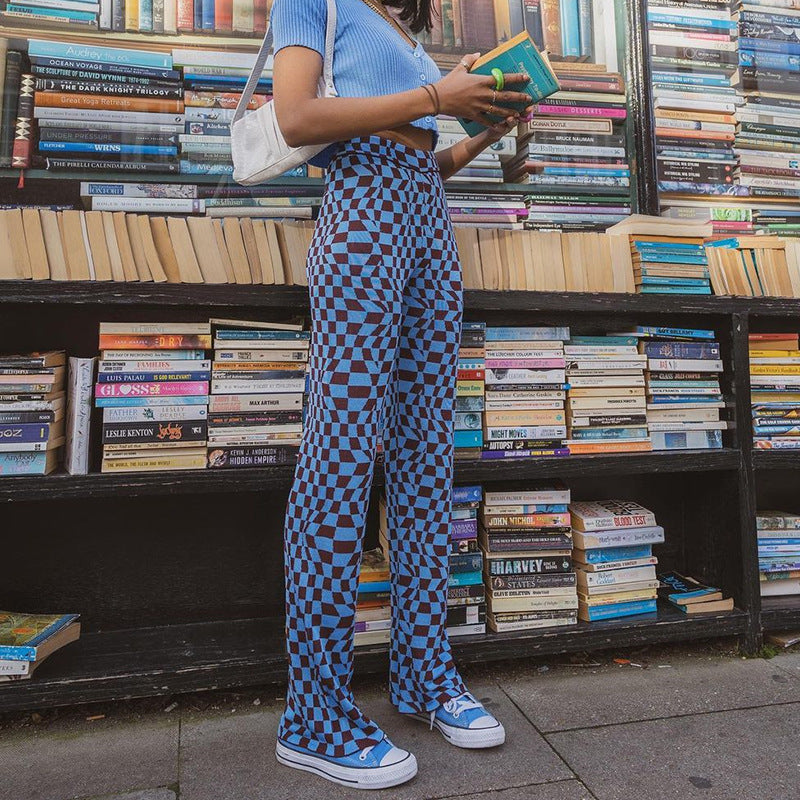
[{"x": 513, "y": 97}]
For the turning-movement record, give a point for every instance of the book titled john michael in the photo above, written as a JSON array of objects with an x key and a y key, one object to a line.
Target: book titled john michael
[{"x": 518, "y": 54}]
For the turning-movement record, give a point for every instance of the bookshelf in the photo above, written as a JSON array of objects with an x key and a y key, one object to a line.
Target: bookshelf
[{"x": 178, "y": 575}]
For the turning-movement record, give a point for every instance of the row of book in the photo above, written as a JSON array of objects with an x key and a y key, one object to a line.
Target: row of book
[
  {"x": 42, "y": 244},
  {"x": 727, "y": 109},
  {"x": 27, "y": 640},
  {"x": 778, "y": 552},
  {"x": 520, "y": 392},
  {"x": 533, "y": 558}
]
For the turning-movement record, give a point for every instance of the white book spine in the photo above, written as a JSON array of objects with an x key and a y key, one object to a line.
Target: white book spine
[
  {"x": 79, "y": 414},
  {"x": 104, "y": 20}
]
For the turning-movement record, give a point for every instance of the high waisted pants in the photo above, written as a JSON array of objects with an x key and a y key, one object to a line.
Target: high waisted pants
[{"x": 385, "y": 288}]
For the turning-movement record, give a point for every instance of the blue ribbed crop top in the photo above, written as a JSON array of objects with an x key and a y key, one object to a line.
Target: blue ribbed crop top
[{"x": 370, "y": 57}]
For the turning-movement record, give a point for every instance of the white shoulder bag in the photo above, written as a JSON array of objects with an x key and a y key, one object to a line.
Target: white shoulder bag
[{"x": 259, "y": 150}]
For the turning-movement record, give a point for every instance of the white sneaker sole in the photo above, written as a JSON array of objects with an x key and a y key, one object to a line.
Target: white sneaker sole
[
  {"x": 354, "y": 777},
  {"x": 470, "y": 739}
]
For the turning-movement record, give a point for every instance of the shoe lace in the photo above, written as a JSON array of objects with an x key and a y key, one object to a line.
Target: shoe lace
[
  {"x": 458, "y": 704},
  {"x": 362, "y": 756}
]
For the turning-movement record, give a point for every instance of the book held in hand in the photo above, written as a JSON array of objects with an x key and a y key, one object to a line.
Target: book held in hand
[{"x": 518, "y": 54}]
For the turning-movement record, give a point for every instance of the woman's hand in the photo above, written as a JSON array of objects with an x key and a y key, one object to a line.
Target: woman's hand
[{"x": 462, "y": 94}]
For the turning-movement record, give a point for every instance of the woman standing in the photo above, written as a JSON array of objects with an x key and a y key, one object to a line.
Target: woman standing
[{"x": 385, "y": 290}]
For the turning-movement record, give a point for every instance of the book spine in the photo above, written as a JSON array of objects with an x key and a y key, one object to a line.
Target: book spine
[
  {"x": 9, "y": 108},
  {"x": 23, "y": 130},
  {"x": 551, "y": 26},
  {"x": 79, "y": 411},
  {"x": 132, "y": 16},
  {"x": 185, "y": 15},
  {"x": 166, "y": 389},
  {"x": 570, "y": 28},
  {"x": 104, "y": 20},
  {"x": 118, "y": 16},
  {"x": 207, "y": 16},
  {"x": 158, "y": 16}
]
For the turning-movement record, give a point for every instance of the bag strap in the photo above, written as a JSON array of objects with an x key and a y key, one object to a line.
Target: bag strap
[{"x": 263, "y": 54}]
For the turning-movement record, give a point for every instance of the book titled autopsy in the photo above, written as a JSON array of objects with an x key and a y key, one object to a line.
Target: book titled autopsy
[{"x": 518, "y": 54}]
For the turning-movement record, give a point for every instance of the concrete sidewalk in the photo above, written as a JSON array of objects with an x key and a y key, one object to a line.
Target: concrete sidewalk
[{"x": 670, "y": 724}]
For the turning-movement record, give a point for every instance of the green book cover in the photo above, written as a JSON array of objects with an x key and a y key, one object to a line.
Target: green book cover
[{"x": 516, "y": 55}]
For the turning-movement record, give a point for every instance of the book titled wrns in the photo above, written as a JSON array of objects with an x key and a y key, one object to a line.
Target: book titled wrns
[{"x": 518, "y": 54}]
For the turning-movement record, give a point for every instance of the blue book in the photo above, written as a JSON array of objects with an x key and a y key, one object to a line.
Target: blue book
[
  {"x": 614, "y": 173},
  {"x": 570, "y": 28},
  {"x": 23, "y": 647},
  {"x": 465, "y": 578},
  {"x": 613, "y": 341},
  {"x": 762, "y": 60},
  {"x": 104, "y": 55},
  {"x": 207, "y": 15},
  {"x": 467, "y": 438},
  {"x": 775, "y": 540},
  {"x": 776, "y": 430},
  {"x": 722, "y": 25},
  {"x": 464, "y": 527},
  {"x": 467, "y": 494},
  {"x": 27, "y": 463},
  {"x": 24, "y": 433},
  {"x": 674, "y": 333},
  {"x": 94, "y": 147},
  {"x": 465, "y": 562},
  {"x": 687, "y": 79},
  {"x": 616, "y": 610},
  {"x": 148, "y": 402},
  {"x": 526, "y": 334},
  {"x": 709, "y": 350},
  {"x": 198, "y": 13},
  {"x": 78, "y": 16},
  {"x": 374, "y": 586},
  {"x": 675, "y": 290},
  {"x": 146, "y": 16},
  {"x": 661, "y": 281},
  {"x": 770, "y": 45},
  {"x": 603, "y": 555}
]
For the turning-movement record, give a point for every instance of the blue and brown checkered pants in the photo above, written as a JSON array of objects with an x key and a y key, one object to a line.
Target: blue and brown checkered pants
[{"x": 386, "y": 303}]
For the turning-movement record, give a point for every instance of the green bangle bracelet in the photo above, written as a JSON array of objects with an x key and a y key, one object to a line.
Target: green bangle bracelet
[{"x": 499, "y": 78}]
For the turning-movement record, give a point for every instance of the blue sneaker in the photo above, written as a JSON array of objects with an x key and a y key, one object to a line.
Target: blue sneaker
[
  {"x": 464, "y": 722},
  {"x": 378, "y": 766}
]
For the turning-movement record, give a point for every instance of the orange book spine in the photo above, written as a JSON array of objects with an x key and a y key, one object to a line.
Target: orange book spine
[
  {"x": 584, "y": 448},
  {"x": 171, "y": 341},
  {"x": 221, "y": 99},
  {"x": 106, "y": 102},
  {"x": 223, "y": 16},
  {"x": 676, "y": 133}
]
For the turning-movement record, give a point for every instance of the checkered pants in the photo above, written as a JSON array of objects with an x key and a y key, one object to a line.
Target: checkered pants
[{"x": 385, "y": 287}]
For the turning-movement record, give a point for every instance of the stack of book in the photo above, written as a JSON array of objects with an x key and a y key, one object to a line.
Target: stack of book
[
  {"x": 667, "y": 257},
  {"x": 775, "y": 390},
  {"x": 78, "y": 15},
  {"x": 466, "y": 598},
  {"x": 684, "y": 396},
  {"x": 525, "y": 390},
  {"x": 485, "y": 210},
  {"x": 526, "y": 539},
  {"x": 257, "y": 387},
  {"x": 32, "y": 406},
  {"x": 106, "y": 109},
  {"x": 691, "y": 596},
  {"x": 754, "y": 266},
  {"x": 768, "y": 131},
  {"x": 213, "y": 81},
  {"x": 613, "y": 558},
  {"x": 573, "y": 152},
  {"x": 470, "y": 383},
  {"x": 693, "y": 55},
  {"x": 726, "y": 220},
  {"x": 606, "y": 408},
  {"x": 26, "y": 640},
  {"x": 373, "y": 607},
  {"x": 486, "y": 167},
  {"x": 152, "y": 385},
  {"x": 778, "y": 552}
]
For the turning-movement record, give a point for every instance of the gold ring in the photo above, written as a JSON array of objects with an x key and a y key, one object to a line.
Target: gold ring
[
  {"x": 490, "y": 108},
  {"x": 494, "y": 95},
  {"x": 464, "y": 64}
]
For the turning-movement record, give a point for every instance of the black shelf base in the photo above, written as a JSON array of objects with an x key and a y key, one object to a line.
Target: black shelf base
[
  {"x": 61, "y": 486},
  {"x": 124, "y": 664},
  {"x": 780, "y": 613}
]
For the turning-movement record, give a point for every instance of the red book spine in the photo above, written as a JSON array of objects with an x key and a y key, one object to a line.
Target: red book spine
[
  {"x": 23, "y": 133},
  {"x": 223, "y": 16},
  {"x": 186, "y": 15},
  {"x": 260, "y": 14}
]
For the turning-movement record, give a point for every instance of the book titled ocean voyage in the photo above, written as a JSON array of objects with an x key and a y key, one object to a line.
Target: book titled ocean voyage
[{"x": 518, "y": 54}]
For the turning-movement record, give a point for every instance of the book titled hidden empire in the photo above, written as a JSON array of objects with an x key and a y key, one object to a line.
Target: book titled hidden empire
[{"x": 518, "y": 54}]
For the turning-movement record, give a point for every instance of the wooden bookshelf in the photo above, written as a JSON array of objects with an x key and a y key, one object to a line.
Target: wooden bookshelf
[
  {"x": 119, "y": 665},
  {"x": 780, "y": 613}
]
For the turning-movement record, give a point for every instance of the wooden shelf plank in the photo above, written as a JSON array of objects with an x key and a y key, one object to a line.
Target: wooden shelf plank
[
  {"x": 68, "y": 487},
  {"x": 780, "y": 613},
  {"x": 776, "y": 459},
  {"x": 119, "y": 665},
  {"x": 296, "y": 298}
]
